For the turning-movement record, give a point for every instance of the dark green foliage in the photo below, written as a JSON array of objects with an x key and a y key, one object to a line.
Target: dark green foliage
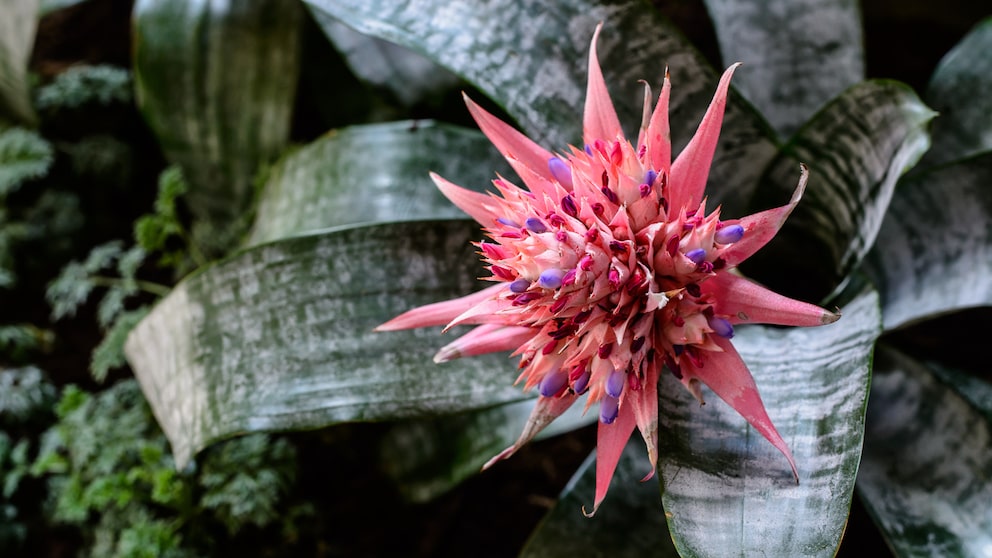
[
  {"x": 24, "y": 394},
  {"x": 81, "y": 85},
  {"x": 155, "y": 232},
  {"x": 109, "y": 354},
  {"x": 24, "y": 155},
  {"x": 111, "y": 474}
]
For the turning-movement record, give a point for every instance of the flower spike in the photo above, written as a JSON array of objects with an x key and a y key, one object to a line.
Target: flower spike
[{"x": 609, "y": 272}]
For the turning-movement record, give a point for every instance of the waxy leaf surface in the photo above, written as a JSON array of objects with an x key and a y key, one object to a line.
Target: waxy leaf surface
[
  {"x": 530, "y": 58},
  {"x": 17, "y": 29},
  {"x": 216, "y": 82},
  {"x": 727, "y": 491},
  {"x": 928, "y": 460},
  {"x": 933, "y": 254},
  {"x": 856, "y": 148},
  {"x": 797, "y": 55},
  {"x": 279, "y": 336},
  {"x": 960, "y": 91},
  {"x": 373, "y": 173}
]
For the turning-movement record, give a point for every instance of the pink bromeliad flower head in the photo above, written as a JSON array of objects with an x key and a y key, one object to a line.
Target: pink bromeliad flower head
[{"x": 607, "y": 269}]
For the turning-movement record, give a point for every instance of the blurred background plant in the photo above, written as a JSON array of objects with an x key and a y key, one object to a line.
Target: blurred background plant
[{"x": 269, "y": 160}]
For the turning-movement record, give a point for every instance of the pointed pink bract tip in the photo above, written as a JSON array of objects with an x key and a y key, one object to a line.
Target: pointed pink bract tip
[{"x": 829, "y": 317}]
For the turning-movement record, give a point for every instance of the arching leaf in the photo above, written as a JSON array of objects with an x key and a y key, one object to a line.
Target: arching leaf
[
  {"x": 373, "y": 173},
  {"x": 216, "y": 83},
  {"x": 530, "y": 58},
  {"x": 928, "y": 460},
  {"x": 933, "y": 254},
  {"x": 856, "y": 148},
  {"x": 17, "y": 29},
  {"x": 961, "y": 92},
  {"x": 280, "y": 336},
  {"x": 796, "y": 55},
  {"x": 727, "y": 491}
]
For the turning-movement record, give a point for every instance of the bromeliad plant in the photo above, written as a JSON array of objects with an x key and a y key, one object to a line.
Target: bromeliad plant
[
  {"x": 349, "y": 232},
  {"x": 608, "y": 269}
]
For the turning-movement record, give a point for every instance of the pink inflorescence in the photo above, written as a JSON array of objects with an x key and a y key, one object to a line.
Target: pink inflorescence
[{"x": 607, "y": 269}]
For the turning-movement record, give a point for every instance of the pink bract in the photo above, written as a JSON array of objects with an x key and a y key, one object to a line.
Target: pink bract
[{"x": 607, "y": 269}]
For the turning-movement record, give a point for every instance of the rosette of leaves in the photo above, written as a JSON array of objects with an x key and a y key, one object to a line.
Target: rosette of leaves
[{"x": 349, "y": 232}]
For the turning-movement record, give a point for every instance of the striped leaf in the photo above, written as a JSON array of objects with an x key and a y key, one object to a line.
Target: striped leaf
[
  {"x": 631, "y": 524},
  {"x": 280, "y": 336},
  {"x": 927, "y": 466},
  {"x": 216, "y": 83},
  {"x": 933, "y": 254},
  {"x": 960, "y": 90},
  {"x": 17, "y": 29},
  {"x": 530, "y": 58},
  {"x": 797, "y": 55},
  {"x": 373, "y": 173},
  {"x": 856, "y": 149},
  {"x": 727, "y": 491}
]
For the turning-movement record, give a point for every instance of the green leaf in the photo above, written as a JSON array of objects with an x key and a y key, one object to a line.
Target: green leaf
[
  {"x": 927, "y": 462},
  {"x": 796, "y": 55},
  {"x": 82, "y": 85},
  {"x": 17, "y": 29},
  {"x": 933, "y": 254},
  {"x": 109, "y": 354},
  {"x": 856, "y": 148},
  {"x": 428, "y": 457},
  {"x": 631, "y": 523},
  {"x": 23, "y": 155},
  {"x": 280, "y": 336},
  {"x": 408, "y": 76},
  {"x": 727, "y": 490},
  {"x": 216, "y": 83},
  {"x": 373, "y": 173},
  {"x": 530, "y": 57},
  {"x": 961, "y": 91}
]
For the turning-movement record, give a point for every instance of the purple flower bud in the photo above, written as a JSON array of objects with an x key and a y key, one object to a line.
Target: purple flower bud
[
  {"x": 650, "y": 177},
  {"x": 697, "y": 256},
  {"x": 568, "y": 206},
  {"x": 508, "y": 222},
  {"x": 609, "y": 407},
  {"x": 553, "y": 382},
  {"x": 551, "y": 278},
  {"x": 729, "y": 234},
  {"x": 560, "y": 170},
  {"x": 614, "y": 383},
  {"x": 721, "y": 327},
  {"x": 535, "y": 225},
  {"x": 520, "y": 285},
  {"x": 645, "y": 190},
  {"x": 581, "y": 382}
]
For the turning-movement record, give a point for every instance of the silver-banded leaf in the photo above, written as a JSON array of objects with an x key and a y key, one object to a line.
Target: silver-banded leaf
[
  {"x": 796, "y": 55},
  {"x": 960, "y": 90},
  {"x": 373, "y": 173},
  {"x": 409, "y": 76},
  {"x": 530, "y": 57},
  {"x": 727, "y": 491},
  {"x": 927, "y": 465},
  {"x": 856, "y": 148},
  {"x": 629, "y": 524},
  {"x": 428, "y": 457},
  {"x": 279, "y": 336},
  {"x": 17, "y": 29},
  {"x": 933, "y": 254},
  {"x": 216, "y": 82}
]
